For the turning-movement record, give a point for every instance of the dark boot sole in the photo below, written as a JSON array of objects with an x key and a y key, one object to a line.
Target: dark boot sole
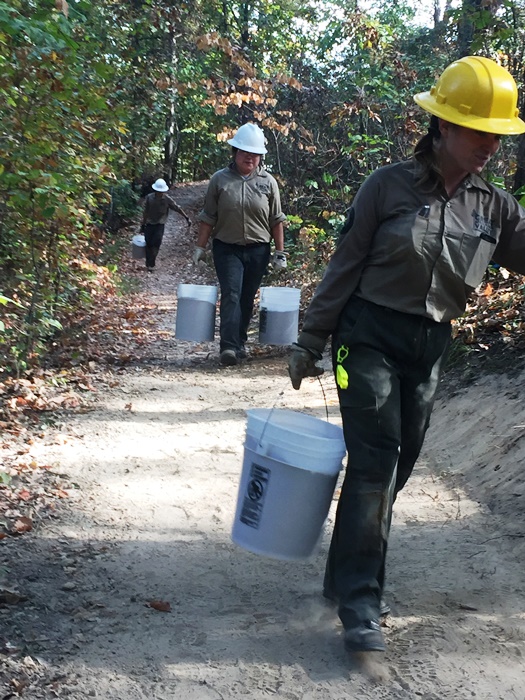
[{"x": 364, "y": 640}]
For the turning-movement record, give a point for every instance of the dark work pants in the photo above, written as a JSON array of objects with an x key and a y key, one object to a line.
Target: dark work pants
[
  {"x": 240, "y": 270},
  {"x": 394, "y": 364},
  {"x": 153, "y": 234}
]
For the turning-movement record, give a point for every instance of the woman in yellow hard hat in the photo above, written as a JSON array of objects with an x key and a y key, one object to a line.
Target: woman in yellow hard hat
[{"x": 417, "y": 242}]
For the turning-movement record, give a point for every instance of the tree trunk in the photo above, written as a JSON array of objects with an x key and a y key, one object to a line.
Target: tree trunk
[
  {"x": 170, "y": 141},
  {"x": 466, "y": 28}
]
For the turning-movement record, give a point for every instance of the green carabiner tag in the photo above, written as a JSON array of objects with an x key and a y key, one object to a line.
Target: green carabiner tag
[{"x": 341, "y": 375}]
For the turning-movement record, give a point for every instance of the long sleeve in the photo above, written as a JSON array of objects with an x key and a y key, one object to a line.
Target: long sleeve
[{"x": 344, "y": 269}]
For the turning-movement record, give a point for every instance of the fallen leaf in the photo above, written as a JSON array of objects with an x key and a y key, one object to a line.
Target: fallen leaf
[
  {"x": 23, "y": 524},
  {"x": 18, "y": 685},
  {"x": 60, "y": 493},
  {"x": 11, "y": 597},
  {"x": 160, "y": 605}
]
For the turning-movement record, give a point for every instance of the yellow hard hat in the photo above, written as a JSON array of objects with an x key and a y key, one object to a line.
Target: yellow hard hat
[{"x": 477, "y": 93}]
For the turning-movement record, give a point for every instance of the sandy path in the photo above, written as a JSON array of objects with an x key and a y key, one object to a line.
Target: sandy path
[{"x": 158, "y": 463}]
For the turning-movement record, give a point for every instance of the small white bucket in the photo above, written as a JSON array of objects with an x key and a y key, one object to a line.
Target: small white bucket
[
  {"x": 138, "y": 247},
  {"x": 279, "y": 315},
  {"x": 290, "y": 469},
  {"x": 196, "y": 306}
]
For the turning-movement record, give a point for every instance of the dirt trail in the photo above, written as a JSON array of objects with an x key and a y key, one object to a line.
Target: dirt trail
[{"x": 157, "y": 463}]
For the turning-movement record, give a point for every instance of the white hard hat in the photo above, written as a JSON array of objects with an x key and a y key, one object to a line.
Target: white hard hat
[
  {"x": 250, "y": 138},
  {"x": 160, "y": 185}
]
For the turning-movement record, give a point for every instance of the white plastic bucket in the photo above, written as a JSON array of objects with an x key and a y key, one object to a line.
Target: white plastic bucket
[
  {"x": 290, "y": 469},
  {"x": 279, "y": 315},
  {"x": 138, "y": 247},
  {"x": 196, "y": 306}
]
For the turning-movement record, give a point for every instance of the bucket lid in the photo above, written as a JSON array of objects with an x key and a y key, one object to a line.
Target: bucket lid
[
  {"x": 283, "y": 292},
  {"x": 200, "y": 292},
  {"x": 280, "y": 298},
  {"x": 308, "y": 437}
]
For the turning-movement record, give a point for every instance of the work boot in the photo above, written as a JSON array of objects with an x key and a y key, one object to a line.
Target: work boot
[
  {"x": 364, "y": 636},
  {"x": 228, "y": 358},
  {"x": 242, "y": 354}
]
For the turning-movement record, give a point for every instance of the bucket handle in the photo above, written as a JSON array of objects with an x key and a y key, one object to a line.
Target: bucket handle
[{"x": 279, "y": 396}]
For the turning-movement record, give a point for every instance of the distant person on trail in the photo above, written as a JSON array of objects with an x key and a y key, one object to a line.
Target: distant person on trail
[
  {"x": 420, "y": 235},
  {"x": 157, "y": 206},
  {"x": 242, "y": 213}
]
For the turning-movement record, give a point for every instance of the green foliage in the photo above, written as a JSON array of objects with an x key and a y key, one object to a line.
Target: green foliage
[
  {"x": 53, "y": 169},
  {"x": 124, "y": 200},
  {"x": 122, "y": 207},
  {"x": 520, "y": 196},
  {"x": 95, "y": 95}
]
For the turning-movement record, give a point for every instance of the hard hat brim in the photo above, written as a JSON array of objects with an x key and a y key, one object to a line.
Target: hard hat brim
[
  {"x": 244, "y": 147},
  {"x": 507, "y": 127}
]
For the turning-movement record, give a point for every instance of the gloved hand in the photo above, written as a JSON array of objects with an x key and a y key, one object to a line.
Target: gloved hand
[
  {"x": 302, "y": 364},
  {"x": 188, "y": 221},
  {"x": 279, "y": 260},
  {"x": 142, "y": 228},
  {"x": 198, "y": 254}
]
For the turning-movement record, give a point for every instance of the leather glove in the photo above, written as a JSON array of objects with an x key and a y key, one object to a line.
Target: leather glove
[
  {"x": 279, "y": 260},
  {"x": 198, "y": 254},
  {"x": 302, "y": 364}
]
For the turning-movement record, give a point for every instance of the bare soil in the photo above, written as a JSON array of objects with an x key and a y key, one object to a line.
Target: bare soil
[{"x": 156, "y": 463}]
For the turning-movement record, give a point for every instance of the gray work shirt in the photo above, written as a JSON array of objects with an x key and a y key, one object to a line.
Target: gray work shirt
[
  {"x": 242, "y": 210},
  {"x": 156, "y": 209},
  {"x": 415, "y": 251}
]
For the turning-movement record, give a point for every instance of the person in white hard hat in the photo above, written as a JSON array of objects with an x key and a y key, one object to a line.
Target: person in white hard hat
[
  {"x": 242, "y": 213},
  {"x": 157, "y": 206}
]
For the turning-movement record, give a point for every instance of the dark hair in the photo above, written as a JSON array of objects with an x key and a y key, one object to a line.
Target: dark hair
[
  {"x": 425, "y": 155},
  {"x": 235, "y": 149}
]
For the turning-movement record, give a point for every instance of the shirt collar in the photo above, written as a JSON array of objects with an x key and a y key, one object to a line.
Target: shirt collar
[{"x": 475, "y": 181}]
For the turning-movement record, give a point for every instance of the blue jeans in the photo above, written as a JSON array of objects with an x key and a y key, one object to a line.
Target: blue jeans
[{"x": 240, "y": 270}]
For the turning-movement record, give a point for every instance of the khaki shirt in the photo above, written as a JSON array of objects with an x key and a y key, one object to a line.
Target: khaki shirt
[
  {"x": 414, "y": 251},
  {"x": 156, "y": 209},
  {"x": 242, "y": 210}
]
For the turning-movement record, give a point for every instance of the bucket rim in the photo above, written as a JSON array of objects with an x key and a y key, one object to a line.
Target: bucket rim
[
  {"x": 257, "y": 412},
  {"x": 196, "y": 286},
  {"x": 263, "y": 415}
]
